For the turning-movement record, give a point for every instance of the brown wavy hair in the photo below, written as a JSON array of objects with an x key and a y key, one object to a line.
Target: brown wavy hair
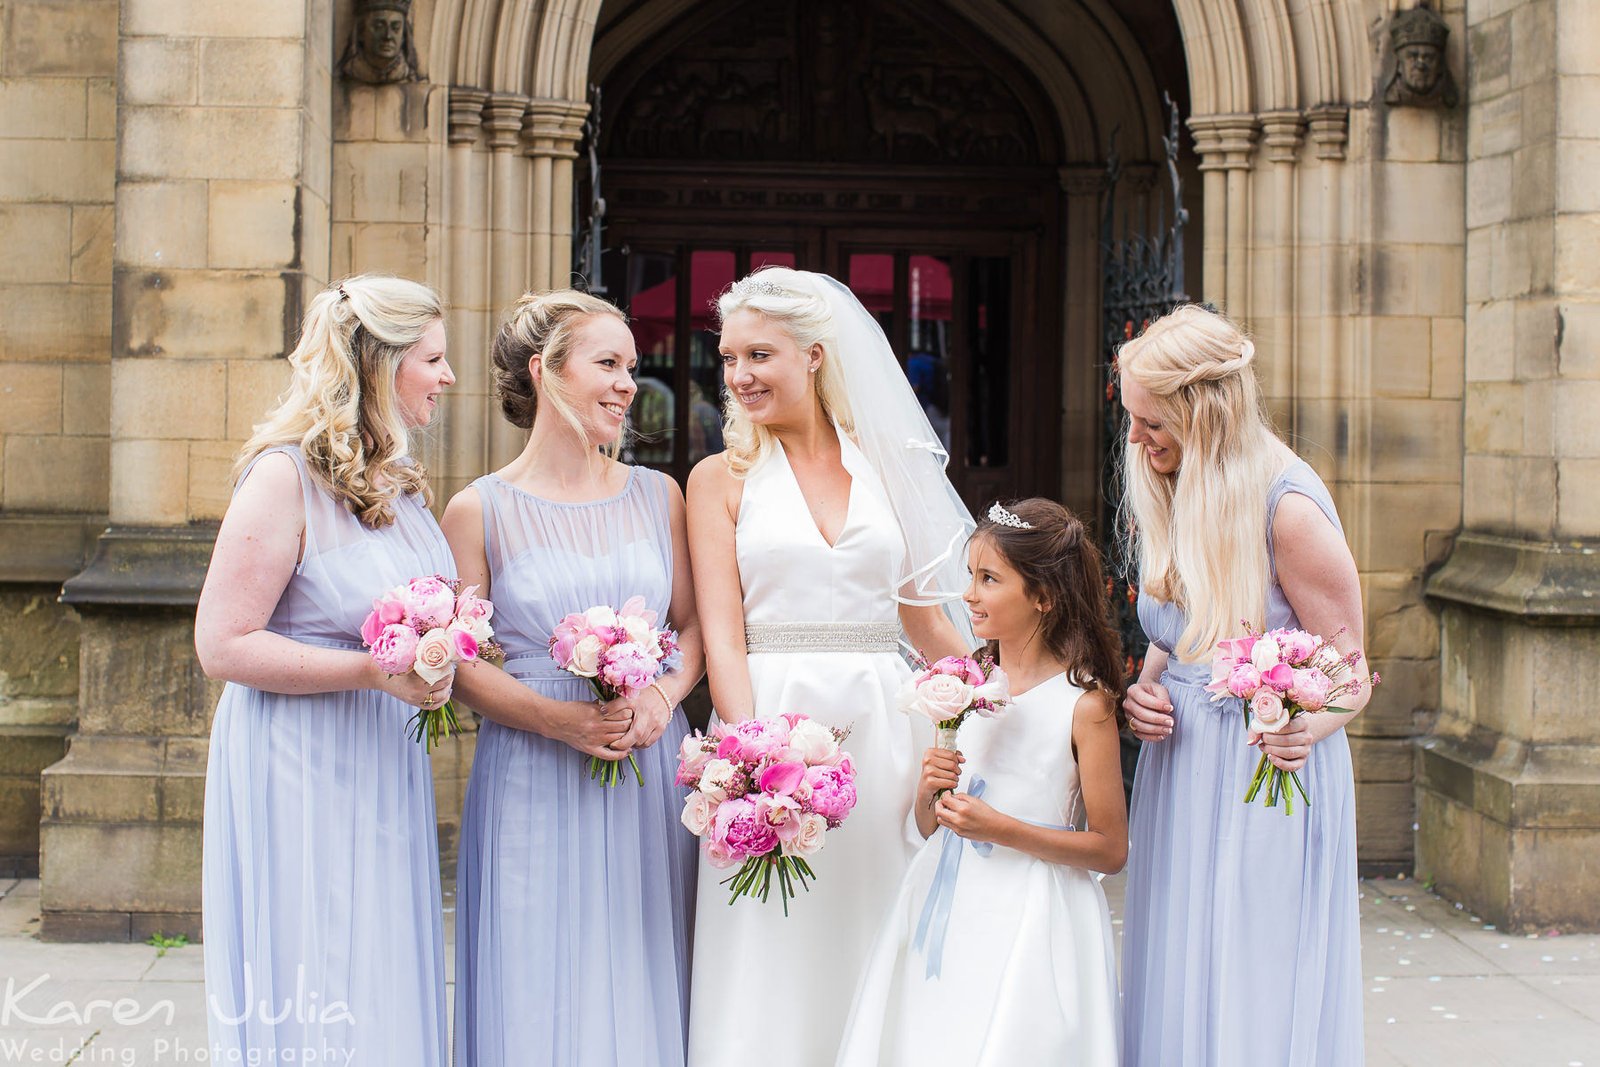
[{"x": 1060, "y": 564}]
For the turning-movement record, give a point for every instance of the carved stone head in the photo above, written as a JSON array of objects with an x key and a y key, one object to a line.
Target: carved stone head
[
  {"x": 381, "y": 50},
  {"x": 1421, "y": 78}
]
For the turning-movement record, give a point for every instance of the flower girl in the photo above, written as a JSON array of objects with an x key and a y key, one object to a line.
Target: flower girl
[{"x": 998, "y": 949}]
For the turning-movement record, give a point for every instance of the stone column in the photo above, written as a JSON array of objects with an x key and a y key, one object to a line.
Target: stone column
[
  {"x": 508, "y": 241},
  {"x": 468, "y": 407},
  {"x": 550, "y": 134},
  {"x": 1224, "y": 144},
  {"x": 1508, "y": 786},
  {"x": 222, "y": 187},
  {"x": 1275, "y": 322}
]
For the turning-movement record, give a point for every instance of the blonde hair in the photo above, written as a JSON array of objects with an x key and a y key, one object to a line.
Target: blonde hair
[
  {"x": 1200, "y": 534},
  {"x": 544, "y": 324},
  {"x": 341, "y": 407},
  {"x": 796, "y": 306}
]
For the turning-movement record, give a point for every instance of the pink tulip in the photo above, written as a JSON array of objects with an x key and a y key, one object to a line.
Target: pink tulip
[{"x": 1280, "y": 678}]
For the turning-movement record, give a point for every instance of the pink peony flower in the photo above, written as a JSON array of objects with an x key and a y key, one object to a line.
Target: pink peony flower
[
  {"x": 395, "y": 649},
  {"x": 1295, "y": 646},
  {"x": 1267, "y": 713},
  {"x": 1311, "y": 689},
  {"x": 782, "y": 777},
  {"x": 740, "y": 827},
  {"x": 627, "y": 668},
  {"x": 760, "y": 737},
  {"x": 833, "y": 791},
  {"x": 1244, "y": 680},
  {"x": 959, "y": 667},
  {"x": 430, "y": 602}
]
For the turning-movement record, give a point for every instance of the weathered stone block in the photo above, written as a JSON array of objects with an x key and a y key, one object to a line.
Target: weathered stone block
[
  {"x": 1533, "y": 50},
  {"x": 252, "y": 73},
  {"x": 252, "y": 224},
  {"x": 1577, "y": 164},
  {"x": 1402, "y": 347},
  {"x": 38, "y": 649},
  {"x": 210, "y": 476},
  {"x": 1420, "y": 203},
  {"x": 1415, "y": 439},
  {"x": 202, "y": 18},
  {"x": 1441, "y": 284},
  {"x": 1489, "y": 63},
  {"x": 1399, "y": 624},
  {"x": 1428, "y": 506},
  {"x": 201, "y": 316},
  {"x": 1579, "y": 511},
  {"x": 1577, "y": 102},
  {"x": 210, "y": 142},
  {"x": 253, "y": 389},
  {"x": 1491, "y": 342},
  {"x": 1533, "y": 179},
  {"x": 1449, "y": 357},
  {"x": 1576, "y": 267},
  {"x": 140, "y": 677},
  {"x": 386, "y": 247},
  {"x": 47, "y": 37},
  {"x": 1578, "y": 331},
  {"x": 168, "y": 399},
  {"x": 86, "y": 399},
  {"x": 380, "y": 183},
  {"x": 42, "y": 108},
  {"x": 30, "y": 399},
  {"x": 102, "y": 118},
  {"x": 1385, "y": 760},
  {"x": 93, "y": 227},
  {"x": 1494, "y": 418},
  {"x": 1578, "y": 30},
  {"x": 56, "y": 474},
  {"x": 75, "y": 172},
  {"x": 161, "y": 224},
  {"x": 160, "y": 70},
  {"x": 152, "y": 483},
  {"x": 1408, "y": 695},
  {"x": 1384, "y": 815}
]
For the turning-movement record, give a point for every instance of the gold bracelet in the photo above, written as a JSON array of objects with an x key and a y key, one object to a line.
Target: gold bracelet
[{"x": 662, "y": 693}]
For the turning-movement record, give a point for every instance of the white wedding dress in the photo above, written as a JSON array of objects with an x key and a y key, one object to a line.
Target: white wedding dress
[
  {"x": 822, "y": 625},
  {"x": 1025, "y": 969}
]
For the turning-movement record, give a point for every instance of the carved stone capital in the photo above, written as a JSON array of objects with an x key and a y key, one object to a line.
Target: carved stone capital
[
  {"x": 1082, "y": 179},
  {"x": 553, "y": 128},
  {"x": 1330, "y": 130},
  {"x": 502, "y": 117},
  {"x": 1280, "y": 133},
  {"x": 466, "y": 113},
  {"x": 1224, "y": 142}
]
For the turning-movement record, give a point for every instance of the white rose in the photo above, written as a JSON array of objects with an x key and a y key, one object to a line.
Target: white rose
[
  {"x": 808, "y": 840},
  {"x": 997, "y": 691},
  {"x": 601, "y": 616},
  {"x": 813, "y": 742},
  {"x": 1265, "y": 654},
  {"x": 942, "y": 697},
  {"x": 718, "y": 775},
  {"x": 586, "y": 657},
  {"x": 638, "y": 631},
  {"x": 479, "y": 628},
  {"x": 1267, "y": 713},
  {"x": 435, "y": 656},
  {"x": 698, "y": 811}
]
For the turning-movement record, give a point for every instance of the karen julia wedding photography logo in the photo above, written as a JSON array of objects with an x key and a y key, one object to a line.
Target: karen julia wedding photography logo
[{"x": 128, "y": 1031}]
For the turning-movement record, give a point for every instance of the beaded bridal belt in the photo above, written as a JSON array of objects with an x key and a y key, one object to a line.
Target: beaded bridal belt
[{"x": 822, "y": 637}]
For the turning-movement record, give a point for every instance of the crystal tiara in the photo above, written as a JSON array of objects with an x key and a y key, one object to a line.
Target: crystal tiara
[{"x": 1001, "y": 517}]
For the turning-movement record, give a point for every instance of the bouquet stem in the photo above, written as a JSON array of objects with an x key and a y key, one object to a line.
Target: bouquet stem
[
  {"x": 609, "y": 772},
  {"x": 754, "y": 879},
  {"x": 944, "y": 737},
  {"x": 434, "y": 724}
]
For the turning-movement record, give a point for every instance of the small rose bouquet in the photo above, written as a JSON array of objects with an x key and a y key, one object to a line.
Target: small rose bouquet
[
  {"x": 763, "y": 794},
  {"x": 1278, "y": 675},
  {"x": 948, "y": 691},
  {"x": 620, "y": 653},
  {"x": 428, "y": 625}
]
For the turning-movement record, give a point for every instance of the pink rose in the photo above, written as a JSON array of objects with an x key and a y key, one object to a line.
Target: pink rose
[
  {"x": 719, "y": 855},
  {"x": 395, "y": 648},
  {"x": 430, "y": 602},
  {"x": 833, "y": 791},
  {"x": 939, "y": 698},
  {"x": 1279, "y": 677},
  {"x": 739, "y": 825},
  {"x": 585, "y": 658},
  {"x": 436, "y": 655},
  {"x": 782, "y": 777},
  {"x": 1311, "y": 689},
  {"x": 698, "y": 812},
  {"x": 1267, "y": 713}
]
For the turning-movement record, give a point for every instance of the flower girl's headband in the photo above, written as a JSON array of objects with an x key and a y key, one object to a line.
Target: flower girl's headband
[{"x": 1001, "y": 517}]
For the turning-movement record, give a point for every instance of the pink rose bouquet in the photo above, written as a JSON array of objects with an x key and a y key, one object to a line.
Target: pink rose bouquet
[
  {"x": 619, "y": 653},
  {"x": 428, "y": 625},
  {"x": 1278, "y": 675},
  {"x": 948, "y": 691},
  {"x": 763, "y": 792}
]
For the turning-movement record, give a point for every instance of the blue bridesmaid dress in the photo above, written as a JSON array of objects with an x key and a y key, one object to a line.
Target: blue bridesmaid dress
[
  {"x": 1241, "y": 942},
  {"x": 323, "y": 932},
  {"x": 574, "y": 900}
]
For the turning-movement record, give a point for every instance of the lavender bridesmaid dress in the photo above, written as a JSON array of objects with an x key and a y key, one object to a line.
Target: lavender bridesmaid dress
[
  {"x": 1242, "y": 938},
  {"x": 323, "y": 935}
]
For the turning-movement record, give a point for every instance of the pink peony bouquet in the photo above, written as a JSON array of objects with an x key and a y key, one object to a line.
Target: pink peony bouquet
[
  {"x": 1278, "y": 675},
  {"x": 764, "y": 792},
  {"x": 429, "y": 625},
  {"x": 948, "y": 691},
  {"x": 619, "y": 653}
]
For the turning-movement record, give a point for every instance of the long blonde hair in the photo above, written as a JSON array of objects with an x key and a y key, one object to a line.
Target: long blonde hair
[
  {"x": 544, "y": 324},
  {"x": 341, "y": 407},
  {"x": 789, "y": 299},
  {"x": 1200, "y": 534}
]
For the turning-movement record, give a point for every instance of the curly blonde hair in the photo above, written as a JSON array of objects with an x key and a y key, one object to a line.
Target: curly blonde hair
[
  {"x": 341, "y": 408},
  {"x": 794, "y": 304},
  {"x": 544, "y": 324},
  {"x": 1200, "y": 533}
]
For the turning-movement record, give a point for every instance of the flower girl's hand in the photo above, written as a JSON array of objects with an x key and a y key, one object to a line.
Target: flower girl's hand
[
  {"x": 967, "y": 816},
  {"x": 591, "y": 730},
  {"x": 941, "y": 769},
  {"x": 1149, "y": 708}
]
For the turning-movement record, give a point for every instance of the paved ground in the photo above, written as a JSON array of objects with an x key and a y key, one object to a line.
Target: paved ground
[{"x": 1443, "y": 989}]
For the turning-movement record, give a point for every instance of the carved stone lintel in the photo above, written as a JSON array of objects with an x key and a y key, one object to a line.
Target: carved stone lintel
[
  {"x": 502, "y": 117},
  {"x": 1281, "y": 133},
  {"x": 553, "y": 128},
  {"x": 1330, "y": 130},
  {"x": 381, "y": 50},
  {"x": 466, "y": 113},
  {"x": 1223, "y": 142}
]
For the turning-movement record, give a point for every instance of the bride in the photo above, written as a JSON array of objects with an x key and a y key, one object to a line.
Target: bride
[{"x": 826, "y": 528}]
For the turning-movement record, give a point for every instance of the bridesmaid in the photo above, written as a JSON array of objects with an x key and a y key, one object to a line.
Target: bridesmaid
[
  {"x": 321, "y": 866},
  {"x": 574, "y": 899},
  {"x": 1241, "y": 942}
]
